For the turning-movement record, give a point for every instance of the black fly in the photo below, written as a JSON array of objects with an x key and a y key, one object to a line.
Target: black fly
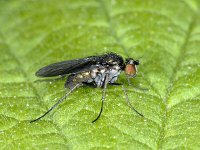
[{"x": 94, "y": 70}]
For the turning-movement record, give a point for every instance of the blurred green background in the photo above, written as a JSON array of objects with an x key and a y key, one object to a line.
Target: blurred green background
[{"x": 163, "y": 34}]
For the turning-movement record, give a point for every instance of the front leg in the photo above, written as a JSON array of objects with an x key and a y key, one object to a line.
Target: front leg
[
  {"x": 129, "y": 103},
  {"x": 137, "y": 87}
]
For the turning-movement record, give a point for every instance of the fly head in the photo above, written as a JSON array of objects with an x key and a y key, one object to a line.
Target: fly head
[{"x": 131, "y": 67}]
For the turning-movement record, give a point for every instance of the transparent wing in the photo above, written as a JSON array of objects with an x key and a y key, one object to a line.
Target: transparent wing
[{"x": 66, "y": 67}]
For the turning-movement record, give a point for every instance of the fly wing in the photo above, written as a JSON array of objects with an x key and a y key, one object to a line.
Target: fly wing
[{"x": 66, "y": 67}]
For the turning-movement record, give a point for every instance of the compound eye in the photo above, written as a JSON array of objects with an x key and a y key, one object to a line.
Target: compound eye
[{"x": 130, "y": 70}]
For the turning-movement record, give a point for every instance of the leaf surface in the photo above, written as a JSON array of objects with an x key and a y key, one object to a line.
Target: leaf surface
[{"x": 164, "y": 35}]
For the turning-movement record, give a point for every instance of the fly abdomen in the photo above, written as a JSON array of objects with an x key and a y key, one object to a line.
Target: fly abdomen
[{"x": 78, "y": 78}]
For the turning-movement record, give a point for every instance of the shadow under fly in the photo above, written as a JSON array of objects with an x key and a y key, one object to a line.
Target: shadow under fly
[{"x": 96, "y": 71}]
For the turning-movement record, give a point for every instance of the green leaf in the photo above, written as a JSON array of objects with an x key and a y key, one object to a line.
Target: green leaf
[{"x": 164, "y": 35}]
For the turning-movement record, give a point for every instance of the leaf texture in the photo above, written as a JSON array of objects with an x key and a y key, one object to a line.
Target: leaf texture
[{"x": 164, "y": 35}]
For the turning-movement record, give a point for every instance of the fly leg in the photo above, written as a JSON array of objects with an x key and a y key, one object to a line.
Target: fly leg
[
  {"x": 136, "y": 87},
  {"x": 129, "y": 103},
  {"x": 103, "y": 97},
  {"x": 127, "y": 99},
  {"x": 56, "y": 104}
]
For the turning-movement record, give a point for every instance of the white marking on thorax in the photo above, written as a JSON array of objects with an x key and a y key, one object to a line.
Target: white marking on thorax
[{"x": 98, "y": 75}]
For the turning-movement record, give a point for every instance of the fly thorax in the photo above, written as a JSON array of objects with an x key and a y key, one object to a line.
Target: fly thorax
[
  {"x": 97, "y": 75},
  {"x": 99, "y": 72},
  {"x": 113, "y": 74}
]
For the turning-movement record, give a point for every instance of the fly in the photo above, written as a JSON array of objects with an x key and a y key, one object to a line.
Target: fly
[{"x": 98, "y": 71}]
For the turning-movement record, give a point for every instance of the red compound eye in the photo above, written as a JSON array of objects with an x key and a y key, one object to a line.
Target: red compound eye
[{"x": 130, "y": 70}]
